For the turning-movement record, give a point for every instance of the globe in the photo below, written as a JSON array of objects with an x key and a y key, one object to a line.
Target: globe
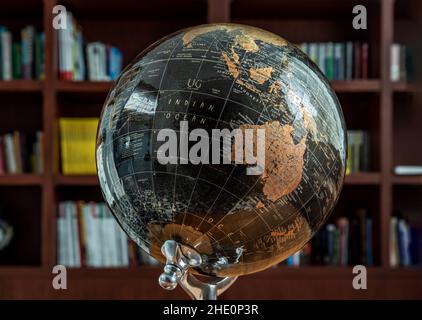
[{"x": 240, "y": 216}]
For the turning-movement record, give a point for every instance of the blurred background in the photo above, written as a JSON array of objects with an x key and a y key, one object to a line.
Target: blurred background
[{"x": 53, "y": 84}]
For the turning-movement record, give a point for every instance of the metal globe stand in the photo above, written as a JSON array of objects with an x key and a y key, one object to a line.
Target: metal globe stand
[{"x": 176, "y": 271}]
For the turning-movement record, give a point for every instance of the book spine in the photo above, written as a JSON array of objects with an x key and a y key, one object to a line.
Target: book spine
[
  {"x": 357, "y": 57},
  {"x": 9, "y": 151},
  {"x": 2, "y": 157},
  {"x": 321, "y": 57},
  {"x": 62, "y": 254},
  {"x": 365, "y": 57},
  {"x": 6, "y": 48},
  {"x": 369, "y": 257},
  {"x": 329, "y": 60},
  {"x": 337, "y": 62},
  {"x": 395, "y": 62},
  {"x": 17, "y": 151},
  {"x": 394, "y": 258},
  {"x": 17, "y": 58},
  {"x": 349, "y": 61}
]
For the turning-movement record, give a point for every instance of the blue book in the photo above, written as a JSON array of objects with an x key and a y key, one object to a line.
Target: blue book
[
  {"x": 369, "y": 256},
  {"x": 115, "y": 63}
]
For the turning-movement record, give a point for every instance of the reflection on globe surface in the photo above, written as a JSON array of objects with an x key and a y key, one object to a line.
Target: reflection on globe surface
[{"x": 223, "y": 76}]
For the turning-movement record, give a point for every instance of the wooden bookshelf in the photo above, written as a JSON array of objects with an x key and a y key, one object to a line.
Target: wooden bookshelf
[{"x": 372, "y": 104}]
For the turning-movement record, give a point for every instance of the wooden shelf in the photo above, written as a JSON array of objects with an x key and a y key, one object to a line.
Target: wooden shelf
[
  {"x": 364, "y": 178},
  {"x": 21, "y": 180},
  {"x": 75, "y": 180},
  {"x": 404, "y": 87},
  {"x": 21, "y": 86},
  {"x": 83, "y": 86},
  {"x": 407, "y": 180},
  {"x": 356, "y": 86}
]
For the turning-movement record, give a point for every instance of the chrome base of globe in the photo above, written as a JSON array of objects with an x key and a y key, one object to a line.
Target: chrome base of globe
[{"x": 176, "y": 271}]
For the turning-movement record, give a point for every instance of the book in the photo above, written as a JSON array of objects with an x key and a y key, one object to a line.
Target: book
[
  {"x": 364, "y": 63},
  {"x": 408, "y": 170},
  {"x": 395, "y": 62},
  {"x": 77, "y": 141},
  {"x": 6, "y": 54},
  {"x": 78, "y": 61},
  {"x": 89, "y": 236},
  {"x": 349, "y": 61},
  {"x": 358, "y": 151},
  {"x": 329, "y": 60},
  {"x": 21, "y": 153},
  {"x": 357, "y": 60},
  {"x": 394, "y": 249}
]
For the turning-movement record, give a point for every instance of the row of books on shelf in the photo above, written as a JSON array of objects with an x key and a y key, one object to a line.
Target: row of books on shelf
[
  {"x": 21, "y": 152},
  {"x": 94, "y": 61},
  {"x": 358, "y": 151},
  {"x": 339, "y": 61},
  {"x": 89, "y": 236},
  {"x": 347, "y": 241},
  {"x": 77, "y": 140},
  {"x": 23, "y": 58},
  {"x": 405, "y": 241}
]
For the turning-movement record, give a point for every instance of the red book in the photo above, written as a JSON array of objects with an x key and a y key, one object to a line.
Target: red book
[
  {"x": 365, "y": 49},
  {"x": 357, "y": 60},
  {"x": 82, "y": 232}
]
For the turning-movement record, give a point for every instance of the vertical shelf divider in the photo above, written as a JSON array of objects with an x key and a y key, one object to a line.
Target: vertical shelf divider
[
  {"x": 386, "y": 118},
  {"x": 49, "y": 122},
  {"x": 218, "y": 11}
]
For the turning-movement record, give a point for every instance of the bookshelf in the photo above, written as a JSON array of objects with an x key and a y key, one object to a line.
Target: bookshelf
[{"x": 32, "y": 199}]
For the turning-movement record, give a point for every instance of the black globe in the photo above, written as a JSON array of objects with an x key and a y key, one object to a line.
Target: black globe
[{"x": 222, "y": 76}]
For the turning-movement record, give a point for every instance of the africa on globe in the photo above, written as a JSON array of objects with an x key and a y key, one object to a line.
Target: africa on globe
[{"x": 225, "y": 81}]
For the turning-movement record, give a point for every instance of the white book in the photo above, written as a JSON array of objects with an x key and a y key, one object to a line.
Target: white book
[
  {"x": 6, "y": 54},
  {"x": 105, "y": 243},
  {"x": 91, "y": 49},
  {"x": 9, "y": 149},
  {"x": 394, "y": 251},
  {"x": 313, "y": 52},
  {"x": 408, "y": 170},
  {"x": 75, "y": 236},
  {"x": 97, "y": 237},
  {"x": 88, "y": 234},
  {"x": 62, "y": 254},
  {"x": 114, "y": 239},
  {"x": 321, "y": 57},
  {"x": 395, "y": 62},
  {"x": 304, "y": 47}
]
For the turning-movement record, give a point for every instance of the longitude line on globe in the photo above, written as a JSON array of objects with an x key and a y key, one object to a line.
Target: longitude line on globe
[
  {"x": 190, "y": 97},
  {"x": 156, "y": 104}
]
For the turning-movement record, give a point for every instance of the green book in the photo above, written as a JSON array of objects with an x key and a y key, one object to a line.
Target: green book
[
  {"x": 16, "y": 61},
  {"x": 39, "y": 56},
  {"x": 329, "y": 60}
]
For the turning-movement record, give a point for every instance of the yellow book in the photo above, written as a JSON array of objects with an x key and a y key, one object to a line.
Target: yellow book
[{"x": 77, "y": 142}]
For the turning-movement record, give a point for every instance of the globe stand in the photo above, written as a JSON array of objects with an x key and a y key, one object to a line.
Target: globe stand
[{"x": 176, "y": 271}]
